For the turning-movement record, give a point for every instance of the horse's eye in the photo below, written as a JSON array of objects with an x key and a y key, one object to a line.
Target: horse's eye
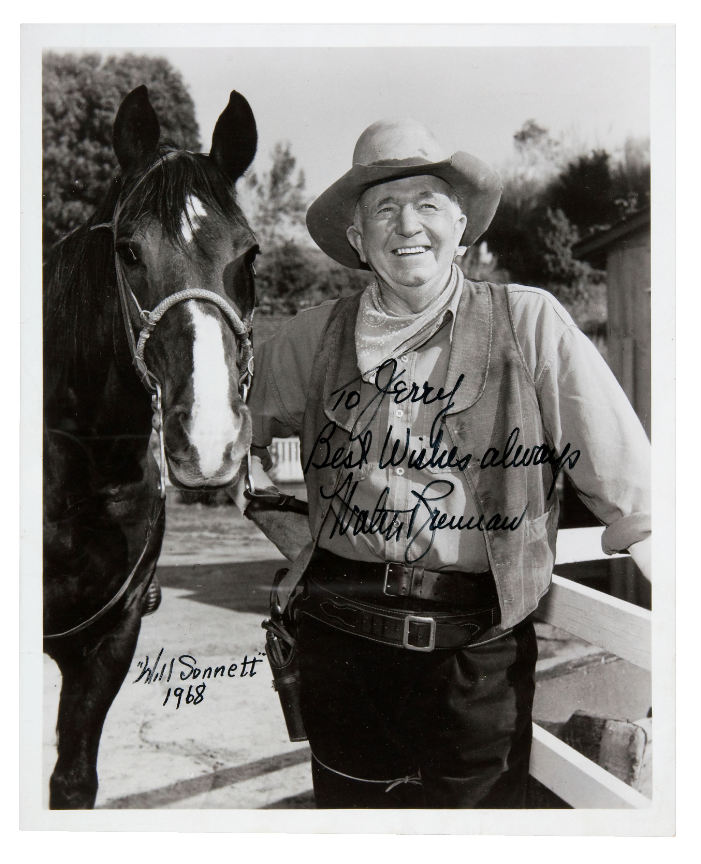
[
  {"x": 128, "y": 254},
  {"x": 251, "y": 256}
]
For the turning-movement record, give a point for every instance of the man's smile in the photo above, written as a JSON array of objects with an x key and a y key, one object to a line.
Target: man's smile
[{"x": 410, "y": 250}]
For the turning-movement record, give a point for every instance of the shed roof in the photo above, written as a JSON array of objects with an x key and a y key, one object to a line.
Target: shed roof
[{"x": 593, "y": 248}]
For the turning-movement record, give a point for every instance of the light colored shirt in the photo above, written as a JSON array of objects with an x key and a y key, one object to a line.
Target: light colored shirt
[
  {"x": 400, "y": 427},
  {"x": 580, "y": 401}
]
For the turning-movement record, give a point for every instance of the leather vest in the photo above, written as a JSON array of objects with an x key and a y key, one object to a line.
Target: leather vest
[{"x": 495, "y": 415}]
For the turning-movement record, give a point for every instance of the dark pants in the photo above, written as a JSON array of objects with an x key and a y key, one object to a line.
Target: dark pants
[{"x": 454, "y": 725}]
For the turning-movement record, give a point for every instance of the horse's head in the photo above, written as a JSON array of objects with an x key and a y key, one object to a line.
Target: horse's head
[{"x": 185, "y": 252}]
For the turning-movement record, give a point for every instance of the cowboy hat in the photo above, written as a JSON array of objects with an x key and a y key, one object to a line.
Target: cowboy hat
[{"x": 391, "y": 149}]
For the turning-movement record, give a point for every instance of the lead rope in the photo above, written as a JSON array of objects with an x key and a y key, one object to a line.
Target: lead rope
[{"x": 245, "y": 388}]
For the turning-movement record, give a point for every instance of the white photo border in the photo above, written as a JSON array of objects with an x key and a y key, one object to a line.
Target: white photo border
[{"x": 659, "y": 40}]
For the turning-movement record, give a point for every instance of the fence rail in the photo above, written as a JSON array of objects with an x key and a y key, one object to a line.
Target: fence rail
[
  {"x": 620, "y": 628},
  {"x": 576, "y": 779},
  {"x": 614, "y": 625}
]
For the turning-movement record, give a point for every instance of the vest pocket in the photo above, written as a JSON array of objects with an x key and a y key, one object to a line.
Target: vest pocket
[{"x": 538, "y": 553}]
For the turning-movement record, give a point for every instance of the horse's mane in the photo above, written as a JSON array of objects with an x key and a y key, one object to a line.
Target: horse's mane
[{"x": 80, "y": 298}]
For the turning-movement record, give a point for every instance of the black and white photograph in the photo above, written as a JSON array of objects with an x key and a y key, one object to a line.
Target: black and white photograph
[{"x": 351, "y": 374}]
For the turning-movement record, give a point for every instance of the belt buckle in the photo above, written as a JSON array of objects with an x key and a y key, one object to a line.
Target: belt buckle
[
  {"x": 387, "y": 589},
  {"x": 419, "y": 619},
  {"x": 399, "y": 579}
]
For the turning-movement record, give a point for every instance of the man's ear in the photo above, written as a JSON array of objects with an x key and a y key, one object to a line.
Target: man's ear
[
  {"x": 355, "y": 238},
  {"x": 460, "y": 225}
]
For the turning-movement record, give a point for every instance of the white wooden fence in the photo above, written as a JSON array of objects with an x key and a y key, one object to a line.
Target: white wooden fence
[
  {"x": 616, "y": 626},
  {"x": 286, "y": 461}
]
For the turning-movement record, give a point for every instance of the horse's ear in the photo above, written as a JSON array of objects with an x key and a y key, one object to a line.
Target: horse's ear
[
  {"x": 135, "y": 132},
  {"x": 235, "y": 137}
]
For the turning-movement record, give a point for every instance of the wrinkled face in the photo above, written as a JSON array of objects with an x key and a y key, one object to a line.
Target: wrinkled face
[
  {"x": 408, "y": 231},
  {"x": 193, "y": 351}
]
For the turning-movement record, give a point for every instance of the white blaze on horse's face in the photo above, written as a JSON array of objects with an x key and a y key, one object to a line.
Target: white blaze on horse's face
[
  {"x": 214, "y": 427},
  {"x": 194, "y": 214}
]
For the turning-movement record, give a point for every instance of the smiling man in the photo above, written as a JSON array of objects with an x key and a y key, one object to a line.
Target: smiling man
[
  {"x": 433, "y": 413},
  {"x": 407, "y": 231}
]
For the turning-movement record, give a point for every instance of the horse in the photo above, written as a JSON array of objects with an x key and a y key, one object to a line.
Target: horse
[{"x": 147, "y": 327}]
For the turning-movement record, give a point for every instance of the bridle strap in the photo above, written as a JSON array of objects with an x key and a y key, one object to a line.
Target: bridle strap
[
  {"x": 120, "y": 593},
  {"x": 123, "y": 288}
]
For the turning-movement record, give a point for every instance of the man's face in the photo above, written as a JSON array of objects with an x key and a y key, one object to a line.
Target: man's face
[{"x": 408, "y": 230}]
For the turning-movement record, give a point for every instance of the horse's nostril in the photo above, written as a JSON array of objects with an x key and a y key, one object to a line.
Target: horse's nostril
[{"x": 175, "y": 428}]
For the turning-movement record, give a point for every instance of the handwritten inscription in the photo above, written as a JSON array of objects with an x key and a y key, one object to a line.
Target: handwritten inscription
[
  {"x": 417, "y": 524},
  {"x": 186, "y": 668},
  {"x": 390, "y": 382}
]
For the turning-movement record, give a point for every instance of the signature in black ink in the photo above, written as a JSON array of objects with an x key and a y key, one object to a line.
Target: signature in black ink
[
  {"x": 185, "y": 667},
  {"x": 388, "y": 522}
]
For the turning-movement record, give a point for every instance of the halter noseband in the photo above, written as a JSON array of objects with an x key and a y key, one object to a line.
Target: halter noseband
[{"x": 241, "y": 327}]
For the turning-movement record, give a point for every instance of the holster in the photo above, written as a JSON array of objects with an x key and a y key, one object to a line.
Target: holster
[{"x": 283, "y": 656}]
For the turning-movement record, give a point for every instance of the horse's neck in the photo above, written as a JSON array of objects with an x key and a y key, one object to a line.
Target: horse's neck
[
  {"x": 103, "y": 394},
  {"x": 110, "y": 434},
  {"x": 100, "y": 403}
]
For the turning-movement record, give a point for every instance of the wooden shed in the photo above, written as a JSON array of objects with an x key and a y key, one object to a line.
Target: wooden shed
[{"x": 623, "y": 251}]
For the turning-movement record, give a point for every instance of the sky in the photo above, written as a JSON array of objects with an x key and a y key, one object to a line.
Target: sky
[{"x": 473, "y": 98}]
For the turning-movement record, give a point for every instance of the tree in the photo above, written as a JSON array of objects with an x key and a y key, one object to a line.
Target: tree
[
  {"x": 291, "y": 273},
  {"x": 275, "y": 201},
  {"x": 284, "y": 274},
  {"x": 292, "y": 276},
  {"x": 584, "y": 191},
  {"x": 558, "y": 235},
  {"x": 538, "y": 155},
  {"x": 555, "y": 192},
  {"x": 81, "y": 95},
  {"x": 513, "y": 234},
  {"x": 631, "y": 177}
]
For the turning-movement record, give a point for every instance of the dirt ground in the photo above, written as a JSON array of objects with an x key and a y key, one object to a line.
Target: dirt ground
[{"x": 227, "y": 746}]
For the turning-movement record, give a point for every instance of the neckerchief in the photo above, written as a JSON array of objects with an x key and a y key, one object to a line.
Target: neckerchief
[{"x": 381, "y": 335}]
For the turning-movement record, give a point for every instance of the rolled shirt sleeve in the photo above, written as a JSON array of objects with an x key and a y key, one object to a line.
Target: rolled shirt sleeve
[{"x": 583, "y": 404}]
